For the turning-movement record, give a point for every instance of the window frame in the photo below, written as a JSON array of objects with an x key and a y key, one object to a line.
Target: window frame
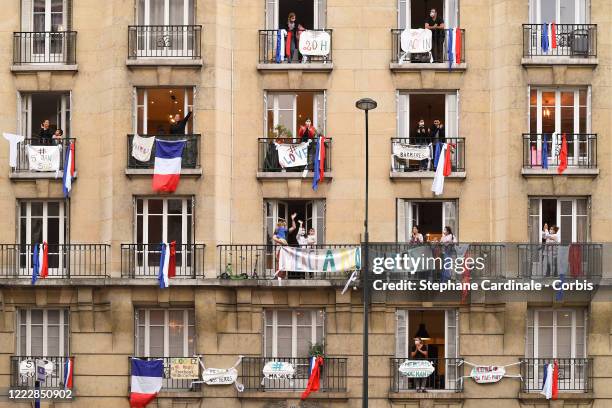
[
  {"x": 574, "y": 216},
  {"x": 535, "y": 12},
  {"x": 186, "y": 218},
  {"x": 557, "y": 110},
  {"x": 403, "y": 111},
  {"x": 405, "y": 219},
  {"x": 24, "y": 116},
  {"x": 147, "y": 327},
  {"x": 294, "y": 327},
  {"x": 573, "y": 341},
  {"x": 62, "y": 217},
  {"x": 319, "y": 97},
  {"x": 189, "y": 91},
  {"x": 64, "y": 331}
]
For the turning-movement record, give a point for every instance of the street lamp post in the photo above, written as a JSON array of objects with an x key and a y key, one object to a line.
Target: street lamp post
[{"x": 365, "y": 104}]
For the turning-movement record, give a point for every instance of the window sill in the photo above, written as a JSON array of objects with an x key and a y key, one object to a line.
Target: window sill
[
  {"x": 411, "y": 395},
  {"x": 44, "y": 67},
  {"x": 424, "y": 175},
  {"x": 560, "y": 60},
  {"x": 308, "y": 66},
  {"x": 563, "y": 395},
  {"x": 423, "y": 66},
  {"x": 164, "y": 61},
  {"x": 552, "y": 171},
  {"x": 284, "y": 395},
  {"x": 197, "y": 172},
  {"x": 290, "y": 175},
  {"x": 37, "y": 175}
]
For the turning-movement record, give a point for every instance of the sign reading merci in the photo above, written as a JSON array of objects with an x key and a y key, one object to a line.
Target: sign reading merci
[
  {"x": 315, "y": 43},
  {"x": 416, "y": 41}
]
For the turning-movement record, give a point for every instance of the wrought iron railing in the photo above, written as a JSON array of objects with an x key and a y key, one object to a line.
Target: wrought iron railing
[
  {"x": 271, "y": 53},
  {"x": 23, "y": 371},
  {"x": 191, "y": 152},
  {"x": 575, "y": 374},
  {"x": 23, "y": 159},
  {"x": 142, "y": 260},
  {"x": 447, "y": 375},
  {"x": 64, "y": 260},
  {"x": 398, "y": 56},
  {"x": 333, "y": 374},
  {"x": 400, "y": 164},
  {"x": 48, "y": 47},
  {"x": 572, "y": 261},
  {"x": 261, "y": 262},
  {"x": 581, "y": 150},
  {"x": 572, "y": 40},
  {"x": 268, "y": 155},
  {"x": 170, "y": 384},
  {"x": 164, "y": 41}
]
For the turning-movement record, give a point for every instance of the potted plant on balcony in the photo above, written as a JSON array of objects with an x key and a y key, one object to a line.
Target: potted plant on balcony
[{"x": 316, "y": 350}]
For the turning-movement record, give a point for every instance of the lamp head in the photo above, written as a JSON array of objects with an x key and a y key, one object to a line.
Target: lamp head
[{"x": 366, "y": 104}]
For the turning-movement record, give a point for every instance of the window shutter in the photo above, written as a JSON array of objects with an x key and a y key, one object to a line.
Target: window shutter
[
  {"x": 68, "y": 15},
  {"x": 401, "y": 220},
  {"x": 26, "y": 15},
  {"x": 271, "y": 19},
  {"x": 451, "y": 13},
  {"x": 401, "y": 327},
  {"x": 450, "y": 216},
  {"x": 402, "y": 115},
  {"x": 402, "y": 14},
  {"x": 320, "y": 206},
  {"x": 322, "y": 14}
]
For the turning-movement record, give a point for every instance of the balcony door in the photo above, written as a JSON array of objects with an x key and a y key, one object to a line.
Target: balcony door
[
  {"x": 571, "y": 215},
  {"x": 290, "y": 110},
  {"x": 165, "y": 332},
  {"x": 165, "y": 33},
  {"x": 429, "y": 216},
  {"x": 47, "y": 20},
  {"x": 35, "y": 108},
  {"x": 559, "y": 11},
  {"x": 42, "y": 221},
  {"x": 414, "y": 13},
  {"x": 311, "y": 14},
  {"x": 155, "y": 109}
]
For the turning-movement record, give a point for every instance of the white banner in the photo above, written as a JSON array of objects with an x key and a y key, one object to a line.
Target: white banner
[
  {"x": 278, "y": 370},
  {"x": 416, "y": 368},
  {"x": 142, "y": 147},
  {"x": 411, "y": 152},
  {"x": 292, "y": 155},
  {"x": 315, "y": 43},
  {"x": 184, "y": 368},
  {"x": 487, "y": 374},
  {"x": 416, "y": 41},
  {"x": 44, "y": 158},
  {"x": 319, "y": 260},
  {"x": 219, "y": 376}
]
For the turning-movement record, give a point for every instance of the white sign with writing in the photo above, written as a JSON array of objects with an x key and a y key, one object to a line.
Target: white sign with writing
[
  {"x": 278, "y": 370},
  {"x": 487, "y": 374},
  {"x": 219, "y": 376},
  {"x": 184, "y": 368},
  {"x": 416, "y": 41},
  {"x": 292, "y": 155},
  {"x": 27, "y": 368},
  {"x": 416, "y": 368},
  {"x": 315, "y": 43},
  {"x": 411, "y": 152},
  {"x": 44, "y": 158}
]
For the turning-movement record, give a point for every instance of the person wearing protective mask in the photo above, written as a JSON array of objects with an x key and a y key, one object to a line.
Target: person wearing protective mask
[
  {"x": 307, "y": 131},
  {"x": 435, "y": 23},
  {"x": 422, "y": 138}
]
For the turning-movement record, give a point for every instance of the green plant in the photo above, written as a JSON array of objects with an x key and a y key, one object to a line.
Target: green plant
[
  {"x": 315, "y": 349},
  {"x": 281, "y": 132}
]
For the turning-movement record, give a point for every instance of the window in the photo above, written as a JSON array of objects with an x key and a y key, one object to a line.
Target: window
[
  {"x": 165, "y": 332},
  {"x": 414, "y": 13},
  {"x": 164, "y": 220},
  {"x": 430, "y": 216},
  {"x": 155, "y": 109},
  {"x": 289, "y": 333},
  {"x": 37, "y": 107},
  {"x": 311, "y": 212},
  {"x": 559, "y": 11},
  {"x": 559, "y": 110},
  {"x": 413, "y": 106},
  {"x": 311, "y": 14},
  {"x": 165, "y": 28},
  {"x": 45, "y": 17},
  {"x": 571, "y": 215},
  {"x": 291, "y": 109},
  {"x": 165, "y": 12},
  {"x": 42, "y": 332}
]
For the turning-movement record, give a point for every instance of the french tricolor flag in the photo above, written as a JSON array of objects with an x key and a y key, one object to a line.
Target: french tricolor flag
[
  {"x": 40, "y": 263},
  {"x": 146, "y": 381},
  {"x": 167, "y": 264},
  {"x": 68, "y": 169},
  {"x": 550, "y": 386},
  {"x": 68, "y": 368},
  {"x": 167, "y": 169}
]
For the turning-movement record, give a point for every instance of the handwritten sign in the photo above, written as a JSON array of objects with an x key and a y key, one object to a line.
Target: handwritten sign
[
  {"x": 44, "y": 158},
  {"x": 278, "y": 370},
  {"x": 219, "y": 376},
  {"x": 319, "y": 260},
  {"x": 315, "y": 43},
  {"x": 487, "y": 374},
  {"x": 411, "y": 152},
  {"x": 416, "y": 368},
  {"x": 416, "y": 40},
  {"x": 292, "y": 155},
  {"x": 28, "y": 367},
  {"x": 184, "y": 368}
]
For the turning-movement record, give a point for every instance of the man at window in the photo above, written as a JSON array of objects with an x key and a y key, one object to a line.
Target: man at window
[
  {"x": 294, "y": 29},
  {"x": 45, "y": 134},
  {"x": 178, "y": 127},
  {"x": 419, "y": 352},
  {"x": 435, "y": 23}
]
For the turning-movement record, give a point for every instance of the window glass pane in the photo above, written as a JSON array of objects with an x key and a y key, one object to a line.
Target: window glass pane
[
  {"x": 191, "y": 341},
  {"x": 564, "y": 319},
  {"x": 545, "y": 318},
  {"x": 320, "y": 317},
  {"x": 36, "y": 340},
  {"x": 268, "y": 340},
  {"x": 304, "y": 317},
  {"x": 175, "y": 229},
  {"x": 53, "y": 334},
  {"x": 545, "y": 342},
  {"x": 285, "y": 101},
  {"x": 36, "y": 316},
  {"x": 176, "y": 332},
  {"x": 564, "y": 342},
  {"x": 156, "y": 317},
  {"x": 567, "y": 12},
  {"x": 37, "y": 208},
  {"x": 53, "y": 316},
  {"x": 175, "y": 207},
  {"x": 284, "y": 342},
  {"x": 284, "y": 317},
  {"x": 548, "y": 11},
  {"x": 304, "y": 338},
  {"x": 155, "y": 226},
  {"x": 53, "y": 208},
  {"x": 155, "y": 206},
  {"x": 156, "y": 341}
]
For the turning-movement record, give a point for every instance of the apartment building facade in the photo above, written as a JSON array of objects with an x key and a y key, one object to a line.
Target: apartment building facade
[{"x": 507, "y": 95}]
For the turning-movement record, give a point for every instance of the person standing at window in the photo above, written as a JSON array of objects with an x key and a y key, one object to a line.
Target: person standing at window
[
  {"x": 419, "y": 352},
  {"x": 416, "y": 237},
  {"x": 292, "y": 48},
  {"x": 58, "y": 136},
  {"x": 45, "y": 134},
  {"x": 421, "y": 138},
  {"x": 447, "y": 236},
  {"x": 436, "y": 25},
  {"x": 178, "y": 126}
]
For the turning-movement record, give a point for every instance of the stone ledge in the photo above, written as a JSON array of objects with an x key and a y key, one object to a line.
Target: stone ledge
[
  {"x": 149, "y": 172},
  {"x": 44, "y": 67},
  {"x": 37, "y": 175},
  {"x": 320, "y": 395},
  {"x": 446, "y": 396},
  {"x": 290, "y": 175},
  {"x": 552, "y": 171},
  {"x": 51, "y": 281},
  {"x": 308, "y": 66},
  {"x": 567, "y": 396},
  {"x": 424, "y": 175},
  {"x": 423, "y": 66},
  {"x": 545, "y": 61},
  {"x": 169, "y": 61}
]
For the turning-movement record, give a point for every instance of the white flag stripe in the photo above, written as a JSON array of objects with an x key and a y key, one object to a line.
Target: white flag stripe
[
  {"x": 167, "y": 166},
  {"x": 146, "y": 385}
]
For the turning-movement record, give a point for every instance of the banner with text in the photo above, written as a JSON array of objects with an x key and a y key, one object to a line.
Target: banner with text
[
  {"x": 292, "y": 155},
  {"x": 315, "y": 43},
  {"x": 416, "y": 41},
  {"x": 319, "y": 260},
  {"x": 44, "y": 158},
  {"x": 411, "y": 152}
]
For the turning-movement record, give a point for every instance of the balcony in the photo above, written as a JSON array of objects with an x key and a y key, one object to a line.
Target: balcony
[
  {"x": 175, "y": 385},
  {"x": 190, "y": 164},
  {"x": 141, "y": 261},
  {"x": 268, "y": 166},
  {"x": 575, "y": 374},
  {"x": 239, "y": 262},
  {"x": 446, "y": 376},
  {"x": 581, "y": 155},
  {"x": 40, "y": 165},
  {"x": 333, "y": 375},
  {"x": 44, "y": 51},
  {"x": 550, "y": 261},
  {"x": 404, "y": 61},
  {"x": 175, "y": 45},
  {"x": 318, "y": 46},
  {"x": 576, "y": 45},
  {"x": 23, "y": 371},
  {"x": 404, "y": 167},
  {"x": 65, "y": 261}
]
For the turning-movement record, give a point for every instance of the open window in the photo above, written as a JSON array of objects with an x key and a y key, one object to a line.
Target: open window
[
  {"x": 291, "y": 109},
  {"x": 414, "y": 13},
  {"x": 430, "y": 216},
  {"x": 429, "y": 106},
  {"x": 439, "y": 332},
  {"x": 571, "y": 215},
  {"x": 155, "y": 109},
  {"x": 311, "y": 212},
  {"x": 311, "y": 14},
  {"x": 36, "y": 107}
]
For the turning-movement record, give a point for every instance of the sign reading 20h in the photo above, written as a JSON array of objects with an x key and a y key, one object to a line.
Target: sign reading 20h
[{"x": 315, "y": 43}]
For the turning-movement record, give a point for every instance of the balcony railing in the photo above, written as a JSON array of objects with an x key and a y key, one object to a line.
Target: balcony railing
[
  {"x": 191, "y": 152},
  {"x": 581, "y": 150},
  {"x": 270, "y": 53},
  {"x": 403, "y": 146},
  {"x": 65, "y": 261},
  {"x": 48, "y": 47},
  {"x": 23, "y": 371},
  {"x": 142, "y": 260},
  {"x": 398, "y": 56},
  {"x": 268, "y": 155},
  {"x": 164, "y": 41},
  {"x": 261, "y": 262},
  {"x": 333, "y": 374},
  {"x": 23, "y": 160},
  {"x": 575, "y": 374},
  {"x": 573, "y": 40},
  {"x": 170, "y": 384},
  {"x": 573, "y": 261},
  {"x": 446, "y": 376}
]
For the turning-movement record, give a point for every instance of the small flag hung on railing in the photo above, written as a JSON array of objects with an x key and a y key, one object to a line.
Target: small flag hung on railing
[
  {"x": 40, "y": 264},
  {"x": 167, "y": 263}
]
